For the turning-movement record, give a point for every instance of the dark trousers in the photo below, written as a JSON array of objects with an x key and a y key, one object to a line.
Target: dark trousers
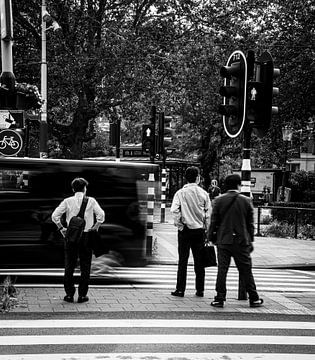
[
  {"x": 243, "y": 261},
  {"x": 72, "y": 253},
  {"x": 190, "y": 239}
]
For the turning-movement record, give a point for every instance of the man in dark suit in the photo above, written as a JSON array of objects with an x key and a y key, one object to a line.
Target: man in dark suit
[{"x": 233, "y": 220}]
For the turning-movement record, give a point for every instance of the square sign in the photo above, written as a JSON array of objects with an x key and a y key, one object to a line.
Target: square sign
[{"x": 11, "y": 119}]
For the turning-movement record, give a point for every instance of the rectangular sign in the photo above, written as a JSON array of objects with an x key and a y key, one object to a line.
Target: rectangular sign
[{"x": 11, "y": 119}]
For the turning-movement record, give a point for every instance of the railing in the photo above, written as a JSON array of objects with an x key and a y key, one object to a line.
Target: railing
[{"x": 296, "y": 216}]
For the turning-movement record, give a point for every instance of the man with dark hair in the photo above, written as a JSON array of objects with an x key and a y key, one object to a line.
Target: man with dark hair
[
  {"x": 191, "y": 209},
  {"x": 232, "y": 220},
  {"x": 71, "y": 207}
]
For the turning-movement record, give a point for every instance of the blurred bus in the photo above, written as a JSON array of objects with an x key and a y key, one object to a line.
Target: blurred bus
[{"x": 30, "y": 189}]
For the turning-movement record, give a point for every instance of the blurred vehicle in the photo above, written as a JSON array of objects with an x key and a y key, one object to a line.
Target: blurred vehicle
[{"x": 30, "y": 189}]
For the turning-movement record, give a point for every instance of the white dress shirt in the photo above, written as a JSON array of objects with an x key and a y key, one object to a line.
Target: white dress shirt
[
  {"x": 71, "y": 206},
  {"x": 191, "y": 206}
]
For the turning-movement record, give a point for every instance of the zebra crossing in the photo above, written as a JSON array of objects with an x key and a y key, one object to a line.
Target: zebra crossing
[
  {"x": 158, "y": 339},
  {"x": 164, "y": 277}
]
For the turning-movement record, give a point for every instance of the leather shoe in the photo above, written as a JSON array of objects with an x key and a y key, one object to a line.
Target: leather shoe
[
  {"x": 199, "y": 293},
  {"x": 256, "y": 303},
  {"x": 177, "y": 293},
  {"x": 82, "y": 299},
  {"x": 217, "y": 303},
  {"x": 68, "y": 299}
]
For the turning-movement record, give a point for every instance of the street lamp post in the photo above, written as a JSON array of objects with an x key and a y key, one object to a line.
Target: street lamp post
[
  {"x": 310, "y": 128},
  {"x": 287, "y": 132},
  {"x": 43, "y": 137}
]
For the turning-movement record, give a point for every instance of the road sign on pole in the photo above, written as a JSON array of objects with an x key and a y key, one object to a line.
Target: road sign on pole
[
  {"x": 11, "y": 142},
  {"x": 11, "y": 119}
]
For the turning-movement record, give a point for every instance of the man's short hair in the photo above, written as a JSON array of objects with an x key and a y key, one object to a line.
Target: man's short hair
[
  {"x": 232, "y": 182},
  {"x": 78, "y": 184},
  {"x": 191, "y": 174}
]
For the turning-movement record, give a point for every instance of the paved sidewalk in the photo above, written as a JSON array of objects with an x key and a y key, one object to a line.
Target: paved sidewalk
[
  {"x": 269, "y": 252},
  {"x": 50, "y": 300}
]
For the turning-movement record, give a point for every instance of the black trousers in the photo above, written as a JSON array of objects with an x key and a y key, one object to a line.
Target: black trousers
[
  {"x": 72, "y": 253},
  {"x": 243, "y": 261},
  {"x": 190, "y": 239}
]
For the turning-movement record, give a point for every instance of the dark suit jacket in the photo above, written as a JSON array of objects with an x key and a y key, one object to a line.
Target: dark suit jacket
[{"x": 233, "y": 224}]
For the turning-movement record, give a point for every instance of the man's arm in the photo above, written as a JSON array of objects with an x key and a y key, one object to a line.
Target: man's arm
[
  {"x": 176, "y": 211},
  {"x": 250, "y": 220},
  {"x": 99, "y": 214},
  {"x": 214, "y": 223},
  {"x": 57, "y": 214}
]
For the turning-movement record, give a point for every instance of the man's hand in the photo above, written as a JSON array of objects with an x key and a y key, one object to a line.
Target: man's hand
[
  {"x": 63, "y": 231},
  {"x": 95, "y": 227}
]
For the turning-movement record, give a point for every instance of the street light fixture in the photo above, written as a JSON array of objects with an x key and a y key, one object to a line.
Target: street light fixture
[
  {"x": 43, "y": 137},
  {"x": 287, "y": 133}
]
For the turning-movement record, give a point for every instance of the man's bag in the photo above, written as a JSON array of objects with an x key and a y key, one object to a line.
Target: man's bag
[
  {"x": 208, "y": 255},
  {"x": 76, "y": 225}
]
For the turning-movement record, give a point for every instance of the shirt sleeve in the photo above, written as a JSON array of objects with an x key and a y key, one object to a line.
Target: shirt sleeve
[
  {"x": 250, "y": 221},
  {"x": 99, "y": 212},
  {"x": 176, "y": 211},
  {"x": 58, "y": 212},
  {"x": 208, "y": 210}
]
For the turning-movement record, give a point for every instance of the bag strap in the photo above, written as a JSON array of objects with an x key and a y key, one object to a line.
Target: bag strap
[{"x": 83, "y": 207}]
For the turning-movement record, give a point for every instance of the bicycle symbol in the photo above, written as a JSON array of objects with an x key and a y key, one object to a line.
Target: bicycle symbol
[{"x": 10, "y": 142}]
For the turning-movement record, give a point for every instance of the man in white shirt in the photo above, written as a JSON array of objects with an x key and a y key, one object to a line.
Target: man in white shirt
[
  {"x": 191, "y": 208},
  {"x": 71, "y": 207}
]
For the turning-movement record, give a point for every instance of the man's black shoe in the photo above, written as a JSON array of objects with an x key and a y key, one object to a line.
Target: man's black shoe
[
  {"x": 82, "y": 299},
  {"x": 177, "y": 293},
  {"x": 256, "y": 303},
  {"x": 217, "y": 303},
  {"x": 199, "y": 293},
  {"x": 68, "y": 299}
]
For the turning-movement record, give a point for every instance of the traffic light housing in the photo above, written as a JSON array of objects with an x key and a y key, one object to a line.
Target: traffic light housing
[
  {"x": 260, "y": 94},
  {"x": 112, "y": 134},
  {"x": 148, "y": 139},
  {"x": 233, "y": 108},
  {"x": 166, "y": 133}
]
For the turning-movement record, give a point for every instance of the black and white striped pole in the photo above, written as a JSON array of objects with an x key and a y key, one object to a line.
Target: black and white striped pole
[
  {"x": 163, "y": 195},
  {"x": 150, "y": 213},
  {"x": 246, "y": 166}
]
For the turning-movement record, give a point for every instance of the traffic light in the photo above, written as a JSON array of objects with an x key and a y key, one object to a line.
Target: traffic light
[
  {"x": 260, "y": 94},
  {"x": 112, "y": 134},
  {"x": 148, "y": 139},
  {"x": 166, "y": 133},
  {"x": 234, "y": 93}
]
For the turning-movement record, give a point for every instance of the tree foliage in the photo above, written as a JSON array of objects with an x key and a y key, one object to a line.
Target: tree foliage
[{"x": 132, "y": 54}]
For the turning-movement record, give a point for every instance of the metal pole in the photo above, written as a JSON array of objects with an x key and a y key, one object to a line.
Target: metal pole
[
  {"x": 245, "y": 190},
  {"x": 118, "y": 139},
  {"x": 282, "y": 197},
  {"x": 246, "y": 166},
  {"x": 150, "y": 213},
  {"x": 43, "y": 135},
  {"x": 7, "y": 77},
  {"x": 163, "y": 194}
]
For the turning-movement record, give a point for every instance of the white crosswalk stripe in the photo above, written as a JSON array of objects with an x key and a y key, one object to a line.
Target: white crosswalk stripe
[
  {"x": 135, "y": 339},
  {"x": 164, "y": 277}
]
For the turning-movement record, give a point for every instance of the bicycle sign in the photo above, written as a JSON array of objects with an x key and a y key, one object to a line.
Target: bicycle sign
[{"x": 11, "y": 142}]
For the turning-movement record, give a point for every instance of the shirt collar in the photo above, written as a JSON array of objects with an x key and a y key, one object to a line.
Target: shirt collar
[{"x": 190, "y": 184}]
